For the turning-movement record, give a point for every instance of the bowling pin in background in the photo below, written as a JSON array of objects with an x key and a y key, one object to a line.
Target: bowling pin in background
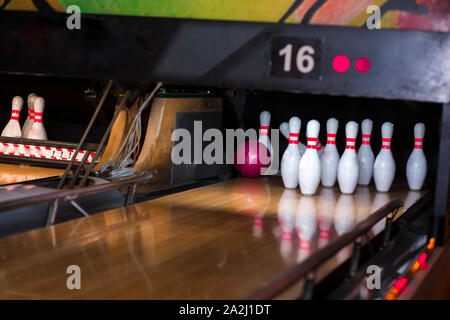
[
  {"x": 330, "y": 156},
  {"x": 284, "y": 128},
  {"x": 305, "y": 225},
  {"x": 291, "y": 157},
  {"x": 365, "y": 154},
  {"x": 326, "y": 204},
  {"x": 287, "y": 208},
  {"x": 12, "y": 129},
  {"x": 319, "y": 147},
  {"x": 348, "y": 169},
  {"x": 309, "y": 170},
  {"x": 384, "y": 166},
  {"x": 30, "y": 119},
  {"x": 416, "y": 167},
  {"x": 264, "y": 120},
  {"x": 37, "y": 130}
]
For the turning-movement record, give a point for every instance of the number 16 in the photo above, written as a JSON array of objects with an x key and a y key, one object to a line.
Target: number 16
[{"x": 304, "y": 61}]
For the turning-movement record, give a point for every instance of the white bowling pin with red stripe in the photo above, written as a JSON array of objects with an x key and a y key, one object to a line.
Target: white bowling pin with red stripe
[
  {"x": 365, "y": 154},
  {"x": 330, "y": 156},
  {"x": 291, "y": 157},
  {"x": 416, "y": 167},
  {"x": 264, "y": 120},
  {"x": 348, "y": 169},
  {"x": 384, "y": 166},
  {"x": 37, "y": 130},
  {"x": 12, "y": 129},
  {"x": 284, "y": 128},
  {"x": 309, "y": 170},
  {"x": 30, "y": 119}
]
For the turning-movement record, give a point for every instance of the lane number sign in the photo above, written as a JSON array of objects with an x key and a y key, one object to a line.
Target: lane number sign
[{"x": 296, "y": 57}]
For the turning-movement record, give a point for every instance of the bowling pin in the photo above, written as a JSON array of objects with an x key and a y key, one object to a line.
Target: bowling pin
[
  {"x": 348, "y": 169},
  {"x": 264, "y": 120},
  {"x": 309, "y": 170},
  {"x": 37, "y": 130},
  {"x": 30, "y": 119},
  {"x": 291, "y": 157},
  {"x": 384, "y": 166},
  {"x": 416, "y": 167},
  {"x": 284, "y": 128},
  {"x": 12, "y": 129},
  {"x": 330, "y": 156},
  {"x": 365, "y": 154}
]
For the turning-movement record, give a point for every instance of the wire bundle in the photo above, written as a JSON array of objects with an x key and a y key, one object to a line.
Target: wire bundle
[{"x": 123, "y": 160}]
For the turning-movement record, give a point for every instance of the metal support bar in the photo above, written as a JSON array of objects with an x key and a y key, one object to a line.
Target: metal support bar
[
  {"x": 354, "y": 262},
  {"x": 85, "y": 134},
  {"x": 77, "y": 172},
  {"x": 308, "y": 287},
  {"x": 442, "y": 179},
  {"x": 103, "y": 140},
  {"x": 52, "y": 210},
  {"x": 130, "y": 195},
  {"x": 79, "y": 208}
]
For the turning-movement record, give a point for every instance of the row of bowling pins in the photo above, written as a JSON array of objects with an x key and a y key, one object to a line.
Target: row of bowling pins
[
  {"x": 33, "y": 127},
  {"x": 307, "y": 215},
  {"x": 308, "y": 169}
]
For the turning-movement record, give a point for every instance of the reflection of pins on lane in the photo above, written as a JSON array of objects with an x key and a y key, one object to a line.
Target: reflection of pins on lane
[
  {"x": 306, "y": 224},
  {"x": 344, "y": 220},
  {"x": 12, "y": 129},
  {"x": 326, "y": 206},
  {"x": 284, "y": 128},
  {"x": 30, "y": 119},
  {"x": 411, "y": 198},
  {"x": 309, "y": 170},
  {"x": 365, "y": 154},
  {"x": 287, "y": 208},
  {"x": 384, "y": 166},
  {"x": 416, "y": 167},
  {"x": 37, "y": 130},
  {"x": 379, "y": 201},
  {"x": 363, "y": 203},
  {"x": 348, "y": 169},
  {"x": 330, "y": 156},
  {"x": 291, "y": 157},
  {"x": 264, "y": 120}
]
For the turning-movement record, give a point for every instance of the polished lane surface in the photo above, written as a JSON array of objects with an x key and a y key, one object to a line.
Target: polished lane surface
[{"x": 217, "y": 242}]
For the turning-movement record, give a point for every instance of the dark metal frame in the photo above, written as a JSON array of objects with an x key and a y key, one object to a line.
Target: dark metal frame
[{"x": 410, "y": 65}]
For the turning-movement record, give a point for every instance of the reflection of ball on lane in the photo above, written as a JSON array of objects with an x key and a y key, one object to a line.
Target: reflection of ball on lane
[
  {"x": 249, "y": 197},
  {"x": 251, "y": 159}
]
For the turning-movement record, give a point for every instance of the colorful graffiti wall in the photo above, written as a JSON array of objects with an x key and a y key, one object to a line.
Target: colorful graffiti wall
[{"x": 432, "y": 15}]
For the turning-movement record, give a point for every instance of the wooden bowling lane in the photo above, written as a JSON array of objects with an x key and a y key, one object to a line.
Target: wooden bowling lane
[
  {"x": 15, "y": 173},
  {"x": 217, "y": 242}
]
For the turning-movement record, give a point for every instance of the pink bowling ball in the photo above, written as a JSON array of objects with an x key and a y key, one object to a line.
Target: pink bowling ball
[{"x": 251, "y": 159}]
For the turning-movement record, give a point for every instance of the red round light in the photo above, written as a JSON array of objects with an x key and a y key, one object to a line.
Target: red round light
[
  {"x": 362, "y": 65},
  {"x": 341, "y": 63}
]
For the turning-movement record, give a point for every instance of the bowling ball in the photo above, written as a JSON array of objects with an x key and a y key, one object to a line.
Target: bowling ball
[{"x": 251, "y": 158}]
